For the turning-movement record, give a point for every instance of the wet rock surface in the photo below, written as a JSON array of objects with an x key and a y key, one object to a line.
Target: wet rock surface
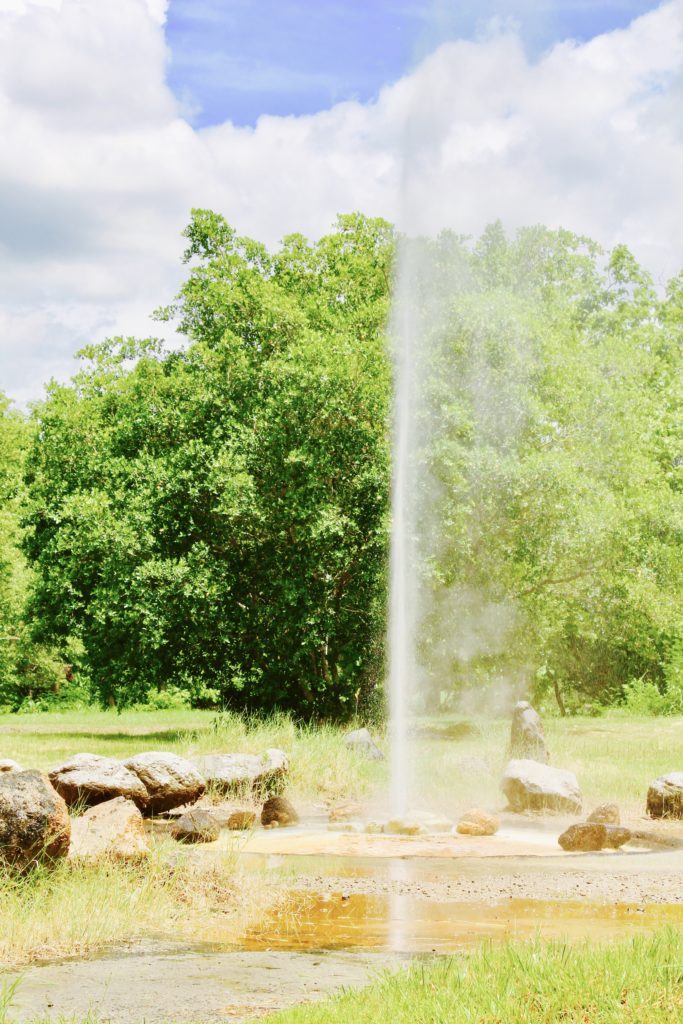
[
  {"x": 196, "y": 826},
  {"x": 170, "y": 781},
  {"x": 605, "y": 814},
  {"x": 665, "y": 796},
  {"x": 476, "y": 822},
  {"x": 113, "y": 829},
  {"x": 361, "y": 741},
  {"x": 241, "y": 774},
  {"x": 34, "y": 820},
  {"x": 527, "y": 739},
  {"x": 584, "y": 837},
  {"x": 532, "y": 786},
  {"x": 278, "y": 811},
  {"x": 90, "y": 779}
]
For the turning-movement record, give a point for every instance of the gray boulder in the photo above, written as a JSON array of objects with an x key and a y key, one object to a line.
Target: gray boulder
[
  {"x": 196, "y": 826},
  {"x": 7, "y": 765},
  {"x": 531, "y": 786},
  {"x": 361, "y": 741},
  {"x": 527, "y": 739},
  {"x": 616, "y": 836},
  {"x": 34, "y": 820},
  {"x": 241, "y": 774},
  {"x": 113, "y": 830},
  {"x": 170, "y": 781},
  {"x": 90, "y": 779},
  {"x": 665, "y": 796}
]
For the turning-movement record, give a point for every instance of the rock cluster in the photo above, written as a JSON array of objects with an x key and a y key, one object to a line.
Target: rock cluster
[{"x": 590, "y": 836}]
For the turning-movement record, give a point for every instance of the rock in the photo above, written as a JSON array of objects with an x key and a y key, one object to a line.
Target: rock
[
  {"x": 361, "y": 741},
  {"x": 278, "y": 811},
  {"x": 90, "y": 779},
  {"x": 343, "y": 826},
  {"x": 527, "y": 739},
  {"x": 605, "y": 814},
  {"x": 476, "y": 822},
  {"x": 665, "y": 796},
  {"x": 113, "y": 829},
  {"x": 586, "y": 836},
  {"x": 196, "y": 826},
  {"x": 404, "y": 827},
  {"x": 617, "y": 836},
  {"x": 170, "y": 781},
  {"x": 34, "y": 820},
  {"x": 7, "y": 765},
  {"x": 242, "y": 774},
  {"x": 530, "y": 786},
  {"x": 241, "y": 821}
]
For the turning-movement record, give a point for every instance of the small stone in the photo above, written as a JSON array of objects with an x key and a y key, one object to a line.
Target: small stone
[
  {"x": 476, "y": 822},
  {"x": 241, "y": 821},
  {"x": 361, "y": 741},
  {"x": 196, "y": 826},
  {"x": 665, "y": 796},
  {"x": 404, "y": 827},
  {"x": 605, "y": 814},
  {"x": 584, "y": 837},
  {"x": 617, "y": 835},
  {"x": 7, "y": 765},
  {"x": 373, "y": 828},
  {"x": 278, "y": 810},
  {"x": 113, "y": 830}
]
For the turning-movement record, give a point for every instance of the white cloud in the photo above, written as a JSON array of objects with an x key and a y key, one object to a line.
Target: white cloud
[{"x": 98, "y": 168}]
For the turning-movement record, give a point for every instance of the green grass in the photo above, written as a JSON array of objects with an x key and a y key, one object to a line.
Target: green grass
[
  {"x": 638, "y": 982},
  {"x": 614, "y": 757},
  {"x": 74, "y": 909}
]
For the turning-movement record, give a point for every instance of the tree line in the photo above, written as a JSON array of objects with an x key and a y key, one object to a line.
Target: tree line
[{"x": 208, "y": 522}]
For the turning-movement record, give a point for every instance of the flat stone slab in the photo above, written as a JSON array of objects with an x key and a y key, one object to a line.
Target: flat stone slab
[{"x": 170, "y": 985}]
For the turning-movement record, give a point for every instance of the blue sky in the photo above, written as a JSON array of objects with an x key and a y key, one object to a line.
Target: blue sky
[{"x": 237, "y": 59}]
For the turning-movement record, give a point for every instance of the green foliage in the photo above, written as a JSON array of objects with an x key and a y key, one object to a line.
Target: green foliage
[
  {"x": 209, "y": 525},
  {"x": 211, "y": 522}
]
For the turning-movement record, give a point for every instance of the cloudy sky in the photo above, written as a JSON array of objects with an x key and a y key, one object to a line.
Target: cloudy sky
[{"x": 117, "y": 118}]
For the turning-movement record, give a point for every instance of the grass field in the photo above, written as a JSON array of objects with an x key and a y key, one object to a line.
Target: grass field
[
  {"x": 614, "y": 757},
  {"x": 639, "y": 982}
]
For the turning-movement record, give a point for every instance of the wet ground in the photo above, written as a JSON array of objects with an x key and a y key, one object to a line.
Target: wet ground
[{"x": 359, "y": 904}]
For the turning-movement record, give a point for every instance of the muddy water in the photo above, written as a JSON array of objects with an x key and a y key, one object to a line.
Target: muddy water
[{"x": 406, "y": 924}]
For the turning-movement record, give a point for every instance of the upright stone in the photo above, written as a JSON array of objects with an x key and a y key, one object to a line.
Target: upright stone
[
  {"x": 527, "y": 739},
  {"x": 362, "y": 741},
  {"x": 34, "y": 820}
]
